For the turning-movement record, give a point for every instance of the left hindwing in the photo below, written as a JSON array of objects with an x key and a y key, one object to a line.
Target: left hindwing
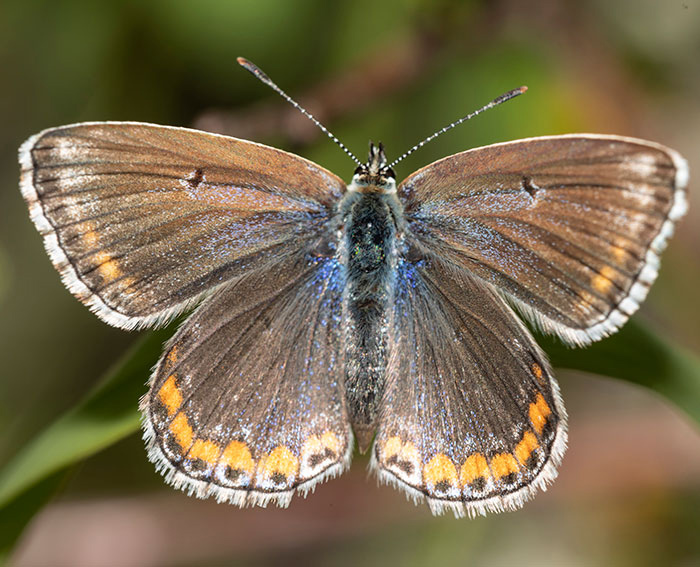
[
  {"x": 247, "y": 402},
  {"x": 568, "y": 227},
  {"x": 471, "y": 417}
]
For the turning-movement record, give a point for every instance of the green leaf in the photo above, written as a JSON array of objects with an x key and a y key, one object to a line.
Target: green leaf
[
  {"x": 109, "y": 413},
  {"x": 638, "y": 355},
  {"x": 18, "y": 512}
]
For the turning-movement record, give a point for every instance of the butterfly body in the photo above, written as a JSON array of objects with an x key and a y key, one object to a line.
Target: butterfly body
[
  {"x": 372, "y": 225},
  {"x": 375, "y": 308}
]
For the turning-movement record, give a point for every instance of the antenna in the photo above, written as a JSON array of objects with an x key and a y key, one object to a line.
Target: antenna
[
  {"x": 495, "y": 102},
  {"x": 257, "y": 72}
]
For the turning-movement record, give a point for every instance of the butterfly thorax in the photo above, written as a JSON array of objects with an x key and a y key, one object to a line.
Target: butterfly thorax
[{"x": 371, "y": 216}]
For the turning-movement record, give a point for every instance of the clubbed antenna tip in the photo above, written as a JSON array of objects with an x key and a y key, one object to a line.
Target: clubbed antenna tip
[
  {"x": 258, "y": 73},
  {"x": 495, "y": 102}
]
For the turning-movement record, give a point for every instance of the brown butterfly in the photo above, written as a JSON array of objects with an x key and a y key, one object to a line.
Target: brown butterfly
[{"x": 328, "y": 308}]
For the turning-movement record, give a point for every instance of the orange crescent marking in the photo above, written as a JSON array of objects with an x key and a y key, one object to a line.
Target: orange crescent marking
[
  {"x": 503, "y": 464},
  {"x": 237, "y": 456},
  {"x": 474, "y": 467},
  {"x": 330, "y": 440},
  {"x": 440, "y": 469},
  {"x": 281, "y": 460},
  {"x": 170, "y": 395},
  {"x": 182, "y": 431},
  {"x": 539, "y": 411},
  {"x": 527, "y": 445},
  {"x": 206, "y": 451},
  {"x": 391, "y": 447}
]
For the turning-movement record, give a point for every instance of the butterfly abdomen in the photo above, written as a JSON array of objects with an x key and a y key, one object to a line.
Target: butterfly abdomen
[{"x": 370, "y": 221}]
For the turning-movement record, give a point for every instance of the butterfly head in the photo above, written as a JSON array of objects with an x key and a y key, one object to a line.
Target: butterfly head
[{"x": 375, "y": 176}]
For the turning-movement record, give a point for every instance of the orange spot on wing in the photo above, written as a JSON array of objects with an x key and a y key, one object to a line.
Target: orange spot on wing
[
  {"x": 170, "y": 395},
  {"x": 315, "y": 445},
  {"x": 474, "y": 467},
  {"x": 391, "y": 447},
  {"x": 402, "y": 459},
  {"x": 602, "y": 282},
  {"x": 330, "y": 440},
  {"x": 410, "y": 452},
  {"x": 527, "y": 445},
  {"x": 172, "y": 355},
  {"x": 539, "y": 411},
  {"x": 538, "y": 372},
  {"x": 503, "y": 464},
  {"x": 440, "y": 469},
  {"x": 618, "y": 253},
  {"x": 280, "y": 461},
  {"x": 90, "y": 238},
  {"x": 238, "y": 457},
  {"x": 206, "y": 451},
  {"x": 107, "y": 267},
  {"x": 182, "y": 431}
]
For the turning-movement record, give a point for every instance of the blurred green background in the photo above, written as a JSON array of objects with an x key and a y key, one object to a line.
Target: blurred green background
[{"x": 629, "y": 488}]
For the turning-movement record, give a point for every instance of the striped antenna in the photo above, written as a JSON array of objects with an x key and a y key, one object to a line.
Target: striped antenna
[
  {"x": 257, "y": 72},
  {"x": 495, "y": 102}
]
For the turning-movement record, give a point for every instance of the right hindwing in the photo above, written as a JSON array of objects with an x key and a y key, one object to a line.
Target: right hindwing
[{"x": 471, "y": 418}]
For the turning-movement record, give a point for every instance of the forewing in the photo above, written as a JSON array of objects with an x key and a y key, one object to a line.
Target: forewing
[
  {"x": 471, "y": 419},
  {"x": 247, "y": 404},
  {"x": 569, "y": 227},
  {"x": 141, "y": 220}
]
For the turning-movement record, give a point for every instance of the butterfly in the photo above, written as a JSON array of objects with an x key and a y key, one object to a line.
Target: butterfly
[{"x": 375, "y": 313}]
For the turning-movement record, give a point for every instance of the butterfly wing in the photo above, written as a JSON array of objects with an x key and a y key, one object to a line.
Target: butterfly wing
[
  {"x": 247, "y": 402},
  {"x": 568, "y": 227},
  {"x": 142, "y": 220},
  {"x": 471, "y": 418}
]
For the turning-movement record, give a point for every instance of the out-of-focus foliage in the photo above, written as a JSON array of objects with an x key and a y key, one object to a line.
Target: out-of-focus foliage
[{"x": 389, "y": 71}]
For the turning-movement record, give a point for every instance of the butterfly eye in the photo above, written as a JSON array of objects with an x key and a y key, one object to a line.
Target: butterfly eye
[{"x": 388, "y": 172}]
